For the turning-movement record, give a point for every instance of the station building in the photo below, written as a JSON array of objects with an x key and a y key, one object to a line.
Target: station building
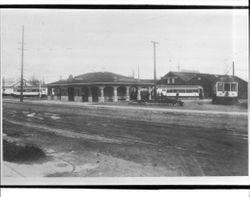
[
  {"x": 100, "y": 87},
  {"x": 107, "y": 86},
  {"x": 205, "y": 83}
]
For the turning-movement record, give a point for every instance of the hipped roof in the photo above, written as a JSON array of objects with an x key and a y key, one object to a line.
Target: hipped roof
[{"x": 100, "y": 78}]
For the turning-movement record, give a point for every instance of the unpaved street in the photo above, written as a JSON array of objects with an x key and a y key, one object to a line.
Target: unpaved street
[{"x": 107, "y": 141}]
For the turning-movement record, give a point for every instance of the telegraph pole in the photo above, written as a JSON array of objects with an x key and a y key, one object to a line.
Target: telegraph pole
[
  {"x": 21, "y": 83},
  {"x": 138, "y": 70},
  {"x": 154, "y": 47},
  {"x": 3, "y": 86},
  {"x": 40, "y": 88},
  {"x": 233, "y": 68}
]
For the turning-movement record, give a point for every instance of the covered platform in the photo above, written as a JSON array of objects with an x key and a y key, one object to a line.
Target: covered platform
[{"x": 100, "y": 87}]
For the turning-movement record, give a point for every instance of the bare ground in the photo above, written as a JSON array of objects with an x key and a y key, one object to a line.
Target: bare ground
[{"x": 96, "y": 141}]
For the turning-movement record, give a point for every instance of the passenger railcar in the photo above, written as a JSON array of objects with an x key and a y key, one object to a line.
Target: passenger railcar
[
  {"x": 225, "y": 91},
  {"x": 185, "y": 91},
  {"x": 31, "y": 92}
]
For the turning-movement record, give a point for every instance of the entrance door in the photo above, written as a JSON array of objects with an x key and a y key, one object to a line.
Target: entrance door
[{"x": 71, "y": 94}]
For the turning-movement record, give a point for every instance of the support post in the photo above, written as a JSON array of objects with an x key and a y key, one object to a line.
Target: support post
[
  {"x": 139, "y": 94},
  {"x": 90, "y": 98},
  {"x": 127, "y": 94},
  {"x": 115, "y": 94},
  {"x": 102, "y": 94},
  {"x": 150, "y": 93}
]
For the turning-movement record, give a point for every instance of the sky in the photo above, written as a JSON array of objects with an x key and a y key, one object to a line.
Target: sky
[{"x": 63, "y": 42}]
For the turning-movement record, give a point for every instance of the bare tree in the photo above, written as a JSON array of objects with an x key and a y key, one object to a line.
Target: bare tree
[{"x": 34, "y": 81}]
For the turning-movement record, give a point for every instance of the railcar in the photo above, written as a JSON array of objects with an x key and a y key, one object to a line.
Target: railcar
[
  {"x": 30, "y": 92},
  {"x": 225, "y": 91},
  {"x": 185, "y": 91}
]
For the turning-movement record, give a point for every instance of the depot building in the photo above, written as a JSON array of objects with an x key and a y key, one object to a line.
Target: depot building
[{"x": 100, "y": 87}]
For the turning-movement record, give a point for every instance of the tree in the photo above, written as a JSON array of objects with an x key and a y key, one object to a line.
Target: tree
[{"x": 34, "y": 81}]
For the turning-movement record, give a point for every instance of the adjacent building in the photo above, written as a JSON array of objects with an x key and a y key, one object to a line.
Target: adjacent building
[{"x": 204, "y": 82}]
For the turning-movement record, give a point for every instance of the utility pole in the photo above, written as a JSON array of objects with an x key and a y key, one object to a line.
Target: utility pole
[
  {"x": 154, "y": 48},
  {"x": 233, "y": 68},
  {"x": 138, "y": 70},
  {"x": 21, "y": 83},
  {"x": 40, "y": 88},
  {"x": 3, "y": 86}
]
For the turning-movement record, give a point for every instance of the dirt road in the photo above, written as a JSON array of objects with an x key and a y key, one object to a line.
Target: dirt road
[{"x": 108, "y": 141}]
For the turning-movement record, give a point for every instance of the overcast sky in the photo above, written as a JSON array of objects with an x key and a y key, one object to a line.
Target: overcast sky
[{"x": 64, "y": 42}]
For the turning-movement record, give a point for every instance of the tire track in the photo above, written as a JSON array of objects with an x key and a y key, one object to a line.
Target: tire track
[{"x": 72, "y": 134}]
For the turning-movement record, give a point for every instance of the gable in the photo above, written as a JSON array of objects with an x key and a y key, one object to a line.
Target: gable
[{"x": 18, "y": 83}]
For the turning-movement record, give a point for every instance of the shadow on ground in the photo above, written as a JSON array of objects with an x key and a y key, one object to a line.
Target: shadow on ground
[{"x": 23, "y": 153}]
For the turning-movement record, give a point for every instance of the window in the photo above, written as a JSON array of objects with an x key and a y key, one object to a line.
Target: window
[
  {"x": 168, "y": 81},
  {"x": 173, "y": 80},
  {"x": 227, "y": 86},
  {"x": 233, "y": 87},
  {"x": 220, "y": 87}
]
